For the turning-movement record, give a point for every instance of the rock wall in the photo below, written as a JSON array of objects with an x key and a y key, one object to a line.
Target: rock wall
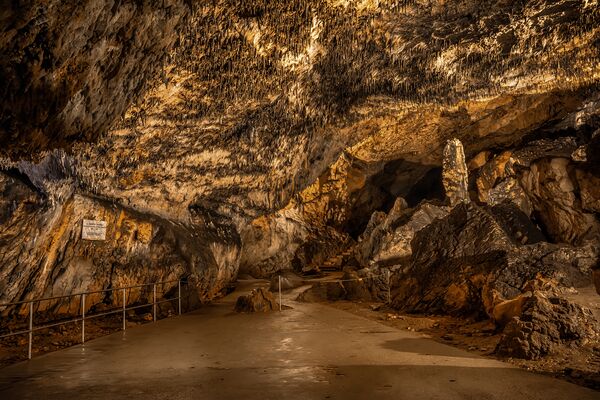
[
  {"x": 43, "y": 253},
  {"x": 208, "y": 115}
]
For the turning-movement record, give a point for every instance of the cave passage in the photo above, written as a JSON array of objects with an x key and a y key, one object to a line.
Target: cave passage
[{"x": 310, "y": 199}]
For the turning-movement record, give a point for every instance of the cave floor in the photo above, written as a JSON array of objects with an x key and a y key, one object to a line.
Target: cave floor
[{"x": 311, "y": 351}]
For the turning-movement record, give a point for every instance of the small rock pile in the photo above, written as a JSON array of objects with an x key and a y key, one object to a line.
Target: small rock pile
[{"x": 259, "y": 300}]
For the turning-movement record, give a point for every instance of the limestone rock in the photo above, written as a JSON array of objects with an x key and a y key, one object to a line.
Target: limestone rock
[
  {"x": 492, "y": 172},
  {"x": 546, "y": 320},
  {"x": 271, "y": 242},
  {"x": 470, "y": 261},
  {"x": 314, "y": 108},
  {"x": 544, "y": 148},
  {"x": 259, "y": 300},
  {"x": 387, "y": 239},
  {"x": 479, "y": 160},
  {"x": 455, "y": 173},
  {"x": 79, "y": 64},
  {"x": 510, "y": 190},
  {"x": 542, "y": 180},
  {"x": 53, "y": 259},
  {"x": 580, "y": 154},
  {"x": 554, "y": 197},
  {"x": 589, "y": 190}
]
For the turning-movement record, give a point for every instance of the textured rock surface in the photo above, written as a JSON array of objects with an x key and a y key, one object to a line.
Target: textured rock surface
[
  {"x": 555, "y": 201},
  {"x": 51, "y": 259},
  {"x": 205, "y": 116},
  {"x": 388, "y": 241},
  {"x": 546, "y": 320},
  {"x": 455, "y": 174},
  {"x": 69, "y": 69},
  {"x": 467, "y": 263},
  {"x": 259, "y": 300},
  {"x": 546, "y": 184}
]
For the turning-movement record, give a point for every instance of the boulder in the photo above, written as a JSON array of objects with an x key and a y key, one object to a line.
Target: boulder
[
  {"x": 556, "y": 201},
  {"x": 259, "y": 300},
  {"x": 386, "y": 241},
  {"x": 470, "y": 261},
  {"x": 545, "y": 320}
]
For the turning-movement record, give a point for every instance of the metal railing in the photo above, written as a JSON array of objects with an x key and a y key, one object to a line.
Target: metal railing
[
  {"x": 83, "y": 317},
  {"x": 388, "y": 276}
]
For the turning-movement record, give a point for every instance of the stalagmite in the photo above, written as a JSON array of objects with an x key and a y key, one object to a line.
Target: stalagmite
[{"x": 455, "y": 173}]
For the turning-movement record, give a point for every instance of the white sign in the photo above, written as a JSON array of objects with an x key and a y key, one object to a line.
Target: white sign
[{"x": 93, "y": 230}]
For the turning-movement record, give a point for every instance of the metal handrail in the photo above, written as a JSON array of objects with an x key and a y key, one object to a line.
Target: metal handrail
[
  {"x": 17, "y": 303},
  {"x": 82, "y": 318}
]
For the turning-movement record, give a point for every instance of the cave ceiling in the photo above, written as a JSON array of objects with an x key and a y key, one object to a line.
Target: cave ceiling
[{"x": 222, "y": 111}]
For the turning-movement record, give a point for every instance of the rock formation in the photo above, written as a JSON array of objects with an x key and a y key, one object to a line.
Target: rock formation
[
  {"x": 259, "y": 300},
  {"x": 455, "y": 173},
  {"x": 261, "y": 136},
  {"x": 545, "y": 320}
]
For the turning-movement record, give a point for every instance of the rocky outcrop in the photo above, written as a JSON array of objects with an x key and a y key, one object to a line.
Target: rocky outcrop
[
  {"x": 270, "y": 243},
  {"x": 544, "y": 181},
  {"x": 545, "y": 321},
  {"x": 259, "y": 300},
  {"x": 556, "y": 203},
  {"x": 468, "y": 263},
  {"x": 52, "y": 259},
  {"x": 387, "y": 239}
]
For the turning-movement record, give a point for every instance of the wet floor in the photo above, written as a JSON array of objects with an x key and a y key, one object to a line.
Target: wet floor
[{"x": 310, "y": 351}]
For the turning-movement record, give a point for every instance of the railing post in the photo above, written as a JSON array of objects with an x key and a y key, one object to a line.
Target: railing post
[
  {"x": 388, "y": 285},
  {"x": 279, "y": 292},
  {"x": 83, "y": 318},
  {"x": 179, "y": 294},
  {"x": 30, "y": 329},
  {"x": 154, "y": 304},
  {"x": 124, "y": 306}
]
